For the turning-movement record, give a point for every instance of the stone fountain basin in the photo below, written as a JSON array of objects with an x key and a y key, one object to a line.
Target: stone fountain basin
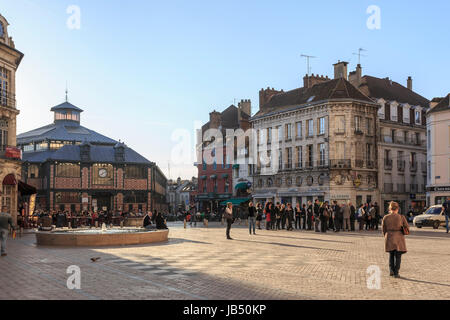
[{"x": 97, "y": 237}]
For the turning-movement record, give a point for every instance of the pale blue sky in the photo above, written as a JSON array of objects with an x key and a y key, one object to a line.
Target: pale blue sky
[{"x": 141, "y": 69}]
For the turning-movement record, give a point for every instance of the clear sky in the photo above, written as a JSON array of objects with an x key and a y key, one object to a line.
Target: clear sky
[{"x": 141, "y": 69}]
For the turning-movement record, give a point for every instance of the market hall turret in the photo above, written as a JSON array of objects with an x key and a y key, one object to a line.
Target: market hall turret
[
  {"x": 10, "y": 166},
  {"x": 74, "y": 168}
]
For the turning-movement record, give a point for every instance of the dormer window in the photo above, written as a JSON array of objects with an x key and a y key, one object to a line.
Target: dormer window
[
  {"x": 2, "y": 30},
  {"x": 417, "y": 117}
]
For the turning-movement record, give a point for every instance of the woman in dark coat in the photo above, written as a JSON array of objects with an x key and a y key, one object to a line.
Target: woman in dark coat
[
  {"x": 394, "y": 240},
  {"x": 259, "y": 215}
]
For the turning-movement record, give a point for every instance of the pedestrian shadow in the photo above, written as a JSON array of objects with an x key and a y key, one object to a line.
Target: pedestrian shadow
[
  {"x": 312, "y": 239},
  {"x": 426, "y": 282},
  {"x": 291, "y": 245}
]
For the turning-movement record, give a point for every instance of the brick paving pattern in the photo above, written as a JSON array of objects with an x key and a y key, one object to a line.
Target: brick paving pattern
[{"x": 199, "y": 263}]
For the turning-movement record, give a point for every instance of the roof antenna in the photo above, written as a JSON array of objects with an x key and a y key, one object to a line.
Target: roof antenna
[
  {"x": 308, "y": 68},
  {"x": 360, "y": 55}
]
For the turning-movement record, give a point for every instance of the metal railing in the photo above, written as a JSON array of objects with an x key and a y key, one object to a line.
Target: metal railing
[
  {"x": 388, "y": 164},
  {"x": 7, "y": 99},
  {"x": 401, "y": 165},
  {"x": 413, "y": 166},
  {"x": 340, "y": 163}
]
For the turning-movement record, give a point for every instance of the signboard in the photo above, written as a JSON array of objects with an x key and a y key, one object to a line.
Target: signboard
[
  {"x": 104, "y": 208},
  {"x": 32, "y": 204},
  {"x": 445, "y": 188},
  {"x": 13, "y": 153},
  {"x": 340, "y": 197},
  {"x": 85, "y": 200}
]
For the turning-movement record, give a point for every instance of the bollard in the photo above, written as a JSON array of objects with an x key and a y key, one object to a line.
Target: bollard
[
  {"x": 121, "y": 224},
  {"x": 96, "y": 224}
]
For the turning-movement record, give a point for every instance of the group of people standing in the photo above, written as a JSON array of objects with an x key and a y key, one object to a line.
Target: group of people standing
[{"x": 320, "y": 216}]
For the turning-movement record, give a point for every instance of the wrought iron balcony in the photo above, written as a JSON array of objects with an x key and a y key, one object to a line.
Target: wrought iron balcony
[
  {"x": 7, "y": 99},
  {"x": 340, "y": 164},
  {"x": 388, "y": 164}
]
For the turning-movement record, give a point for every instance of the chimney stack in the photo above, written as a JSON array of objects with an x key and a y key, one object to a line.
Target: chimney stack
[
  {"x": 245, "y": 106},
  {"x": 215, "y": 118},
  {"x": 356, "y": 76},
  {"x": 409, "y": 82},
  {"x": 340, "y": 70}
]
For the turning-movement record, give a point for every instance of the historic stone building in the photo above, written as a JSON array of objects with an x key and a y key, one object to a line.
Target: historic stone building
[
  {"x": 401, "y": 135},
  {"x": 321, "y": 142},
  {"x": 438, "y": 155},
  {"x": 10, "y": 166},
  {"x": 75, "y": 168}
]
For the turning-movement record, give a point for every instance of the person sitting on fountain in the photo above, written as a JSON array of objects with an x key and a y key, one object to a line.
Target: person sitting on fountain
[
  {"x": 45, "y": 222},
  {"x": 148, "y": 221},
  {"x": 160, "y": 222}
]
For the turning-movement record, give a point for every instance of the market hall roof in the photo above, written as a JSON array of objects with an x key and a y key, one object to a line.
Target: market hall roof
[
  {"x": 333, "y": 89},
  {"x": 98, "y": 153},
  {"x": 64, "y": 129}
]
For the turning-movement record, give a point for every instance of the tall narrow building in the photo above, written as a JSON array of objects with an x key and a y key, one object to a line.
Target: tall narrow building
[{"x": 10, "y": 156}]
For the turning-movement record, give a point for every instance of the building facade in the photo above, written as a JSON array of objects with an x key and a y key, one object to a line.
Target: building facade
[
  {"x": 401, "y": 141},
  {"x": 179, "y": 194},
  {"x": 316, "y": 142},
  {"x": 438, "y": 155},
  {"x": 215, "y": 180},
  {"x": 10, "y": 165},
  {"x": 76, "y": 169}
]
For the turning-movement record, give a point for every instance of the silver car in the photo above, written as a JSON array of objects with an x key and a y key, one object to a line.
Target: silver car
[{"x": 433, "y": 217}]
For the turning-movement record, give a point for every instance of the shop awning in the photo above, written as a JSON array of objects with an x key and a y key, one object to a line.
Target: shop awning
[
  {"x": 213, "y": 176},
  {"x": 203, "y": 177},
  {"x": 225, "y": 175},
  {"x": 10, "y": 180},
  {"x": 241, "y": 186},
  {"x": 235, "y": 201},
  {"x": 26, "y": 189},
  {"x": 235, "y": 166}
]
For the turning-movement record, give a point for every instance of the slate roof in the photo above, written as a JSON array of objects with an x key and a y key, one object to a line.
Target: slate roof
[
  {"x": 328, "y": 90},
  {"x": 443, "y": 105},
  {"x": 63, "y": 130},
  {"x": 66, "y": 106},
  {"x": 390, "y": 90},
  {"x": 72, "y": 153}
]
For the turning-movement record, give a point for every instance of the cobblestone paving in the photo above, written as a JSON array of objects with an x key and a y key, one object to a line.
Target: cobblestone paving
[{"x": 199, "y": 263}]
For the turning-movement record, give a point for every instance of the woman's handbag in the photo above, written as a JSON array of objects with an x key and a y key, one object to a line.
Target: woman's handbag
[{"x": 405, "y": 231}]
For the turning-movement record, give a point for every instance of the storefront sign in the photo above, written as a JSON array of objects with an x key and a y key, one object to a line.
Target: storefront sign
[
  {"x": 85, "y": 200},
  {"x": 340, "y": 197},
  {"x": 13, "y": 153},
  {"x": 439, "y": 189}
]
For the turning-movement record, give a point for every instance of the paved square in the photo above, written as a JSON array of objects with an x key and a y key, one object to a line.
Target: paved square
[{"x": 199, "y": 263}]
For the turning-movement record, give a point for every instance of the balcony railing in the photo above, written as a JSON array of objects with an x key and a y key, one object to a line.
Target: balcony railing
[
  {"x": 309, "y": 164},
  {"x": 322, "y": 163},
  {"x": 7, "y": 99},
  {"x": 299, "y": 165},
  {"x": 340, "y": 164},
  {"x": 370, "y": 164},
  {"x": 413, "y": 166},
  {"x": 414, "y": 188},
  {"x": 359, "y": 163}
]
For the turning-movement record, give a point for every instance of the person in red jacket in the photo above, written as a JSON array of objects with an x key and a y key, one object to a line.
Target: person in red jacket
[{"x": 268, "y": 212}]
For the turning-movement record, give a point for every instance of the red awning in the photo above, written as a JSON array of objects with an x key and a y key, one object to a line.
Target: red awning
[
  {"x": 10, "y": 180},
  {"x": 26, "y": 189}
]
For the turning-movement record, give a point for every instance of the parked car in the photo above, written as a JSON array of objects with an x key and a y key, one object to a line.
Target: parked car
[{"x": 434, "y": 217}]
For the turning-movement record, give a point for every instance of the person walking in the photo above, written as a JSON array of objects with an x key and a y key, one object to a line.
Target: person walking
[
  {"x": 309, "y": 215},
  {"x": 352, "y": 216},
  {"x": 251, "y": 218},
  {"x": 267, "y": 214},
  {"x": 228, "y": 215},
  {"x": 297, "y": 213},
  {"x": 316, "y": 215},
  {"x": 259, "y": 215},
  {"x": 5, "y": 221},
  {"x": 446, "y": 206},
  {"x": 395, "y": 227}
]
